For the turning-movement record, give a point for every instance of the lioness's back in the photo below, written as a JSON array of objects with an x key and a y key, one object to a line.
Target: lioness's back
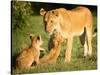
[{"x": 77, "y": 19}]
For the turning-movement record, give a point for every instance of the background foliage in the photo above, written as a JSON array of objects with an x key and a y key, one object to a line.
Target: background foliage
[{"x": 20, "y": 12}]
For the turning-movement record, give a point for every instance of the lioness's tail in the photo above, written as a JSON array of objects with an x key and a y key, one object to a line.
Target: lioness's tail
[{"x": 94, "y": 33}]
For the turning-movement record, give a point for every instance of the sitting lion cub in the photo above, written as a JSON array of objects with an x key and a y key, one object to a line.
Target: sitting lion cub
[{"x": 31, "y": 54}]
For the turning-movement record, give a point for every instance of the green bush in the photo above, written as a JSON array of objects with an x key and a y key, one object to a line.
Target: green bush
[{"x": 20, "y": 11}]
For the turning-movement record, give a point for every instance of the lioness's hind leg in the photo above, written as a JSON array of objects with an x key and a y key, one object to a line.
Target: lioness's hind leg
[
  {"x": 85, "y": 48},
  {"x": 89, "y": 39},
  {"x": 83, "y": 41}
]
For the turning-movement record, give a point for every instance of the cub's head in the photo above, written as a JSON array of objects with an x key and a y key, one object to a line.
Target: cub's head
[
  {"x": 51, "y": 19},
  {"x": 57, "y": 38},
  {"x": 36, "y": 41}
]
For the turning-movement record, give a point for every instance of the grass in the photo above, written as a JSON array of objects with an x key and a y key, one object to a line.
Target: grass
[{"x": 35, "y": 25}]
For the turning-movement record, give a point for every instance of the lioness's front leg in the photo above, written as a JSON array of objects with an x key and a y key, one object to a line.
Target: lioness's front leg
[{"x": 68, "y": 51}]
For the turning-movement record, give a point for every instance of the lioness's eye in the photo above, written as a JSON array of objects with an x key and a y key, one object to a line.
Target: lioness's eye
[{"x": 51, "y": 21}]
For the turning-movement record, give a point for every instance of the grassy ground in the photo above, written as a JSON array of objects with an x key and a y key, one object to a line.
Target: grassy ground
[{"x": 20, "y": 40}]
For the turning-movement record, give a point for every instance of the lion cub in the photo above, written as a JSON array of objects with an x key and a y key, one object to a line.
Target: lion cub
[
  {"x": 31, "y": 54},
  {"x": 54, "y": 47}
]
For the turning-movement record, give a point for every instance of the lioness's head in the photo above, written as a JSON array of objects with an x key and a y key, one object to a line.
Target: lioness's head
[{"x": 50, "y": 19}]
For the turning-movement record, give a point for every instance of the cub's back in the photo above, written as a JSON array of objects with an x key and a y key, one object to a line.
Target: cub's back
[{"x": 25, "y": 58}]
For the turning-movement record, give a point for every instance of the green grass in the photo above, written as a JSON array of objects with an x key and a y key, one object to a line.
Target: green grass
[{"x": 35, "y": 25}]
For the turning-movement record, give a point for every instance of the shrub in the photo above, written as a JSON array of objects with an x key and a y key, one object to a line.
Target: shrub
[{"x": 20, "y": 11}]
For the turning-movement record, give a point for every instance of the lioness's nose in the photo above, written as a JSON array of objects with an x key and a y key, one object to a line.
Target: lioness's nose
[{"x": 47, "y": 30}]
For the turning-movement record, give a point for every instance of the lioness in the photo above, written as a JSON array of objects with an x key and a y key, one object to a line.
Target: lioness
[
  {"x": 31, "y": 54},
  {"x": 70, "y": 23}
]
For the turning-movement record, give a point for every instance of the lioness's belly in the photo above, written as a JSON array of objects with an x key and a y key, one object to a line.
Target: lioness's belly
[
  {"x": 77, "y": 29},
  {"x": 75, "y": 32},
  {"x": 78, "y": 22}
]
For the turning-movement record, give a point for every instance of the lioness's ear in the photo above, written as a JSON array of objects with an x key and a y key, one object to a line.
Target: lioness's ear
[{"x": 42, "y": 12}]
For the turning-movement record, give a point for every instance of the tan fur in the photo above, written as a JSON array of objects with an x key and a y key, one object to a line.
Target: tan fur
[
  {"x": 51, "y": 57},
  {"x": 31, "y": 54},
  {"x": 70, "y": 23}
]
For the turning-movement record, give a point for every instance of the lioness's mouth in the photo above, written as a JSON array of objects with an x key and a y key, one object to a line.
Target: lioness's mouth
[{"x": 53, "y": 31}]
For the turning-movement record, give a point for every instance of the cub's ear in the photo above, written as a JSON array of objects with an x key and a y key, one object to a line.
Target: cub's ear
[
  {"x": 42, "y": 12},
  {"x": 39, "y": 37},
  {"x": 31, "y": 36}
]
